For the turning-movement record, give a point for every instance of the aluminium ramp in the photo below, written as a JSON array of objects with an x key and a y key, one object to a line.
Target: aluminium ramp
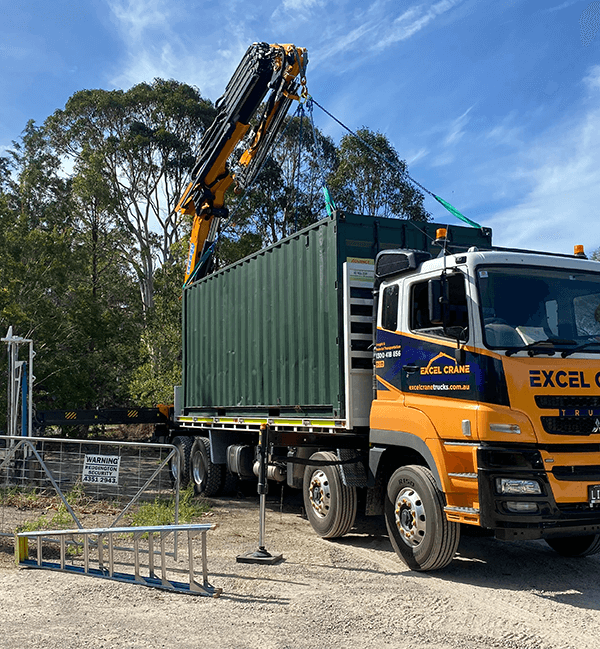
[{"x": 93, "y": 552}]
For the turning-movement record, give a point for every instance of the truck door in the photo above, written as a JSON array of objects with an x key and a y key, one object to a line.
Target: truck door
[
  {"x": 438, "y": 376},
  {"x": 388, "y": 348}
]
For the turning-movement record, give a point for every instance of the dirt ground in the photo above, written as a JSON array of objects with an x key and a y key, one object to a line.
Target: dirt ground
[{"x": 352, "y": 592}]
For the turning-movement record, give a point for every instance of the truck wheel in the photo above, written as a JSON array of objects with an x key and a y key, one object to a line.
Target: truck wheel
[
  {"x": 576, "y": 546},
  {"x": 419, "y": 531},
  {"x": 330, "y": 505},
  {"x": 184, "y": 444},
  {"x": 206, "y": 476}
]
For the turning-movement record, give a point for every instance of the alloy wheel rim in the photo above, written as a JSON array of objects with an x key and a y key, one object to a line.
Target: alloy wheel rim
[{"x": 411, "y": 520}]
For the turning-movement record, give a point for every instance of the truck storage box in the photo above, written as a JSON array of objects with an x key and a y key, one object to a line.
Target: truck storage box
[{"x": 264, "y": 337}]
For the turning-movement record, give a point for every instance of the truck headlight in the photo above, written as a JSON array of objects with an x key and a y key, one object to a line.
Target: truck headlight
[{"x": 518, "y": 487}]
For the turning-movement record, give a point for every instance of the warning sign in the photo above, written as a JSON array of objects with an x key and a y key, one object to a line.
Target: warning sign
[{"x": 101, "y": 469}]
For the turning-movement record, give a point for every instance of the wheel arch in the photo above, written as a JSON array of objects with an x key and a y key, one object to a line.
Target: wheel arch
[{"x": 393, "y": 449}]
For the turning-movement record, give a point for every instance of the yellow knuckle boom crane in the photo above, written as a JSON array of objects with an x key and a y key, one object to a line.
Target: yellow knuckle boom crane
[{"x": 275, "y": 69}]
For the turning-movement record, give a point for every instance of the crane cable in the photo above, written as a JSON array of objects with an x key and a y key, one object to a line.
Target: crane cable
[
  {"x": 296, "y": 187},
  {"x": 329, "y": 203},
  {"x": 440, "y": 200},
  {"x": 309, "y": 101}
]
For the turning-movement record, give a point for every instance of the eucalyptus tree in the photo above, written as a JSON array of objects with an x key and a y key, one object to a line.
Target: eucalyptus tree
[
  {"x": 139, "y": 145},
  {"x": 370, "y": 178},
  {"x": 285, "y": 196},
  {"x": 63, "y": 282}
]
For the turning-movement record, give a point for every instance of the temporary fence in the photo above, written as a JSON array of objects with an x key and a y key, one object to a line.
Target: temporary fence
[
  {"x": 79, "y": 498},
  {"x": 56, "y": 483}
]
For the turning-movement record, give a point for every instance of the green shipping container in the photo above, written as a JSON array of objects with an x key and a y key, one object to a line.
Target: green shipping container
[{"x": 264, "y": 337}]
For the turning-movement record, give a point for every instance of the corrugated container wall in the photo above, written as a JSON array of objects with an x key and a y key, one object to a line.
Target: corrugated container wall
[{"x": 264, "y": 336}]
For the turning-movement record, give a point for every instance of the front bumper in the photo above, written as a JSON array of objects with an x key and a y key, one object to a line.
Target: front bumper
[{"x": 551, "y": 519}]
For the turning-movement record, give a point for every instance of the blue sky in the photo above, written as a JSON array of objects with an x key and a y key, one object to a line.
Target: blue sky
[{"x": 495, "y": 105}]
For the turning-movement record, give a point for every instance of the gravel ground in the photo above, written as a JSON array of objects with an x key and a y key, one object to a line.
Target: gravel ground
[{"x": 349, "y": 593}]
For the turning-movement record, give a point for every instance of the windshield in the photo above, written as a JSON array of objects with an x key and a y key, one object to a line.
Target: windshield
[{"x": 522, "y": 305}]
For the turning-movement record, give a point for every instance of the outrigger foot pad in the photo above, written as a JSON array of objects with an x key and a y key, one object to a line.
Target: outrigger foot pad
[{"x": 260, "y": 556}]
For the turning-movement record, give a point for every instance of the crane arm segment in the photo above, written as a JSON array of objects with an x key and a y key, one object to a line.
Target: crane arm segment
[{"x": 264, "y": 68}]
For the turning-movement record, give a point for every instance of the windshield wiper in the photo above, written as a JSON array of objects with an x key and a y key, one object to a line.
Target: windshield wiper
[
  {"x": 540, "y": 347},
  {"x": 568, "y": 352}
]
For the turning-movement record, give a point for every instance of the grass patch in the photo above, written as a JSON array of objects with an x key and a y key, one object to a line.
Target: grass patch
[
  {"x": 56, "y": 514},
  {"x": 60, "y": 520},
  {"x": 26, "y": 498},
  {"x": 161, "y": 511}
]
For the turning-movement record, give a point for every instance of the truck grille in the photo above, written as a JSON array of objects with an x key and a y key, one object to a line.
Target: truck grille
[
  {"x": 571, "y": 425},
  {"x": 576, "y": 473},
  {"x": 560, "y": 402}
]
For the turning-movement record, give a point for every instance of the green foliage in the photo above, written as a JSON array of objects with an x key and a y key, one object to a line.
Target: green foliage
[
  {"x": 159, "y": 366},
  {"x": 364, "y": 183},
  {"x": 233, "y": 247},
  {"x": 92, "y": 252},
  {"x": 162, "y": 510},
  {"x": 63, "y": 285},
  {"x": 135, "y": 148}
]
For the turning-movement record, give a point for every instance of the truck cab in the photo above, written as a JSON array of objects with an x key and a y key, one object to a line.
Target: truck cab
[{"x": 486, "y": 408}]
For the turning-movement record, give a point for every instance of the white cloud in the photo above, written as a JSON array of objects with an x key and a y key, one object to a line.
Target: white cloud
[
  {"x": 413, "y": 20},
  {"x": 592, "y": 80},
  {"x": 16, "y": 52},
  {"x": 154, "y": 47},
  {"x": 507, "y": 132},
  {"x": 564, "y": 5},
  {"x": 290, "y": 13},
  {"x": 134, "y": 17},
  {"x": 448, "y": 136},
  {"x": 457, "y": 128},
  {"x": 562, "y": 204},
  {"x": 341, "y": 44},
  {"x": 366, "y": 31},
  {"x": 413, "y": 158},
  {"x": 160, "y": 40},
  {"x": 171, "y": 62},
  {"x": 301, "y": 5}
]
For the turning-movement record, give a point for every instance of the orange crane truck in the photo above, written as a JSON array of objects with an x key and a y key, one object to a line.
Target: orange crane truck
[
  {"x": 452, "y": 382},
  {"x": 418, "y": 370}
]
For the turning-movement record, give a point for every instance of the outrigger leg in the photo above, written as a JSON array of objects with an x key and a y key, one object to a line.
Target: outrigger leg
[{"x": 261, "y": 555}]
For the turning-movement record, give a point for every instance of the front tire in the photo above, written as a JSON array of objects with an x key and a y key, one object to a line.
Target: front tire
[
  {"x": 419, "y": 531},
  {"x": 576, "y": 546},
  {"x": 330, "y": 505},
  {"x": 206, "y": 476}
]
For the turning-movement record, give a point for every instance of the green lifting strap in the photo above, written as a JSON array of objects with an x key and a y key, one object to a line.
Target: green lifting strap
[
  {"x": 455, "y": 212},
  {"x": 329, "y": 204}
]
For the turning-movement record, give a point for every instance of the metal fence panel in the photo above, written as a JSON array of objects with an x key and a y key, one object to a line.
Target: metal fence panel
[{"x": 64, "y": 480}]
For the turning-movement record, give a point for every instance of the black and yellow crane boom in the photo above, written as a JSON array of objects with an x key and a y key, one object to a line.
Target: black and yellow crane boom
[{"x": 275, "y": 69}]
